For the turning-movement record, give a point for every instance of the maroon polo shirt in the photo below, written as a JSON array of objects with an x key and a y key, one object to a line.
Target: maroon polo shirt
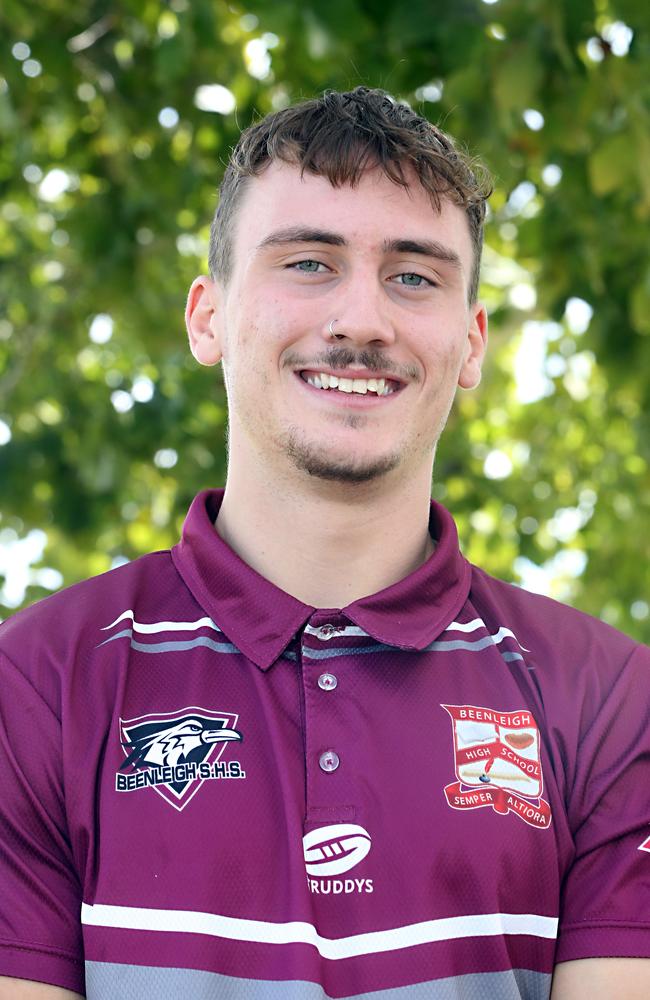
[{"x": 210, "y": 789}]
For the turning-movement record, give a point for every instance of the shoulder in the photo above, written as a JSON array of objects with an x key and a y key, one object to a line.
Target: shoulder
[
  {"x": 42, "y": 639},
  {"x": 551, "y": 630},
  {"x": 587, "y": 683},
  {"x": 81, "y": 602}
]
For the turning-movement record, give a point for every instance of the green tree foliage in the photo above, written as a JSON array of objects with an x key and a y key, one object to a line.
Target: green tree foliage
[{"x": 109, "y": 161}]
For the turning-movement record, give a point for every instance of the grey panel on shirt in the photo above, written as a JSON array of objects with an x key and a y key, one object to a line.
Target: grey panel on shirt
[{"x": 111, "y": 981}]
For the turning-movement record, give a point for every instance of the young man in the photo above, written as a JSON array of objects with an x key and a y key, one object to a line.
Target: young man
[{"x": 311, "y": 751}]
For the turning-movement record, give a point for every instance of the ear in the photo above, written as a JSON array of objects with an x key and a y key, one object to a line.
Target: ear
[
  {"x": 477, "y": 335},
  {"x": 202, "y": 319}
]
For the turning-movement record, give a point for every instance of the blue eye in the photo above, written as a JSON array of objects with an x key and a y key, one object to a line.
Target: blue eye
[
  {"x": 308, "y": 266},
  {"x": 412, "y": 280}
]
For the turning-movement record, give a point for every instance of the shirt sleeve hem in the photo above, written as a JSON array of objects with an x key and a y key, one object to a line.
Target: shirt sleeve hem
[
  {"x": 42, "y": 966},
  {"x": 603, "y": 940}
]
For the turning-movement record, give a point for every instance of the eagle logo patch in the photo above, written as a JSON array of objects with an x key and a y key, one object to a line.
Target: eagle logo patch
[{"x": 176, "y": 752}]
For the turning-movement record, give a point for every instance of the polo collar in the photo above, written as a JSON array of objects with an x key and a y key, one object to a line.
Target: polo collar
[{"x": 261, "y": 620}]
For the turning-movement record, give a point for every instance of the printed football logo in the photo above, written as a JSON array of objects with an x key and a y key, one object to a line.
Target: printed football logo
[
  {"x": 334, "y": 850},
  {"x": 497, "y": 763},
  {"x": 175, "y": 752}
]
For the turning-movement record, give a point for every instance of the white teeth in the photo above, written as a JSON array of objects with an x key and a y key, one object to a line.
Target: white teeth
[{"x": 322, "y": 380}]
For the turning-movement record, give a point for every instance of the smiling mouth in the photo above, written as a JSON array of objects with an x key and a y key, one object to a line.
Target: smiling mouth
[{"x": 358, "y": 386}]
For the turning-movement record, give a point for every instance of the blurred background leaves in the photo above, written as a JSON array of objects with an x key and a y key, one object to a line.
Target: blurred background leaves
[{"x": 116, "y": 120}]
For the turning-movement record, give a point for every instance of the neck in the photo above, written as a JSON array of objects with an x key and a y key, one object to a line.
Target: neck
[{"x": 327, "y": 544}]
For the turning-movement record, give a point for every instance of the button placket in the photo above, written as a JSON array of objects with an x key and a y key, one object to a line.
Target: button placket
[{"x": 326, "y": 779}]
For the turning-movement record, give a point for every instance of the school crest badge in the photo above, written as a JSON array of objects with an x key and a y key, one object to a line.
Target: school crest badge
[{"x": 497, "y": 763}]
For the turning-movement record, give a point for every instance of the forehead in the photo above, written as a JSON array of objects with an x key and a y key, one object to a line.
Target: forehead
[{"x": 366, "y": 215}]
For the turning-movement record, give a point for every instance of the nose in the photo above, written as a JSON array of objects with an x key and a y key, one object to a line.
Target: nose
[{"x": 361, "y": 316}]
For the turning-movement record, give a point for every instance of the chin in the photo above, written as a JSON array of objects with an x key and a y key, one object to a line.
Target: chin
[{"x": 340, "y": 470}]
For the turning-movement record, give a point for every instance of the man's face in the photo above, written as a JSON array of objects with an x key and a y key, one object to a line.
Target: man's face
[{"x": 390, "y": 275}]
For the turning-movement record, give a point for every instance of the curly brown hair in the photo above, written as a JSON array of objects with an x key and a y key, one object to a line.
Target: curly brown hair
[{"x": 339, "y": 136}]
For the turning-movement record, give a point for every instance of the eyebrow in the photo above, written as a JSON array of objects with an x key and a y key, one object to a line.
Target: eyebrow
[
  {"x": 304, "y": 234},
  {"x": 425, "y": 248},
  {"x": 301, "y": 234}
]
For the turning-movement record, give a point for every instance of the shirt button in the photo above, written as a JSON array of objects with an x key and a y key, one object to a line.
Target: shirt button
[
  {"x": 327, "y": 682},
  {"x": 327, "y": 631},
  {"x": 329, "y": 761}
]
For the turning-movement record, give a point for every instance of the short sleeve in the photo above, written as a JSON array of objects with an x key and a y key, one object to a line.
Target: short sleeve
[
  {"x": 606, "y": 893},
  {"x": 40, "y": 901}
]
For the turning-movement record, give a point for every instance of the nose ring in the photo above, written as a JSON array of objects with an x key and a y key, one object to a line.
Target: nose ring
[{"x": 330, "y": 327}]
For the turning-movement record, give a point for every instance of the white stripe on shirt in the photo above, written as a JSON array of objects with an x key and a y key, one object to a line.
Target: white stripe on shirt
[{"x": 299, "y": 932}]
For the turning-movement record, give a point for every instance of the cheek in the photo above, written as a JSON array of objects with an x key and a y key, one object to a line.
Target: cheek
[
  {"x": 444, "y": 364},
  {"x": 251, "y": 360},
  {"x": 262, "y": 323}
]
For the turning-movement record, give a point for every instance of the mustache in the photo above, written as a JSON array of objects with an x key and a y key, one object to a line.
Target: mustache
[{"x": 344, "y": 357}]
